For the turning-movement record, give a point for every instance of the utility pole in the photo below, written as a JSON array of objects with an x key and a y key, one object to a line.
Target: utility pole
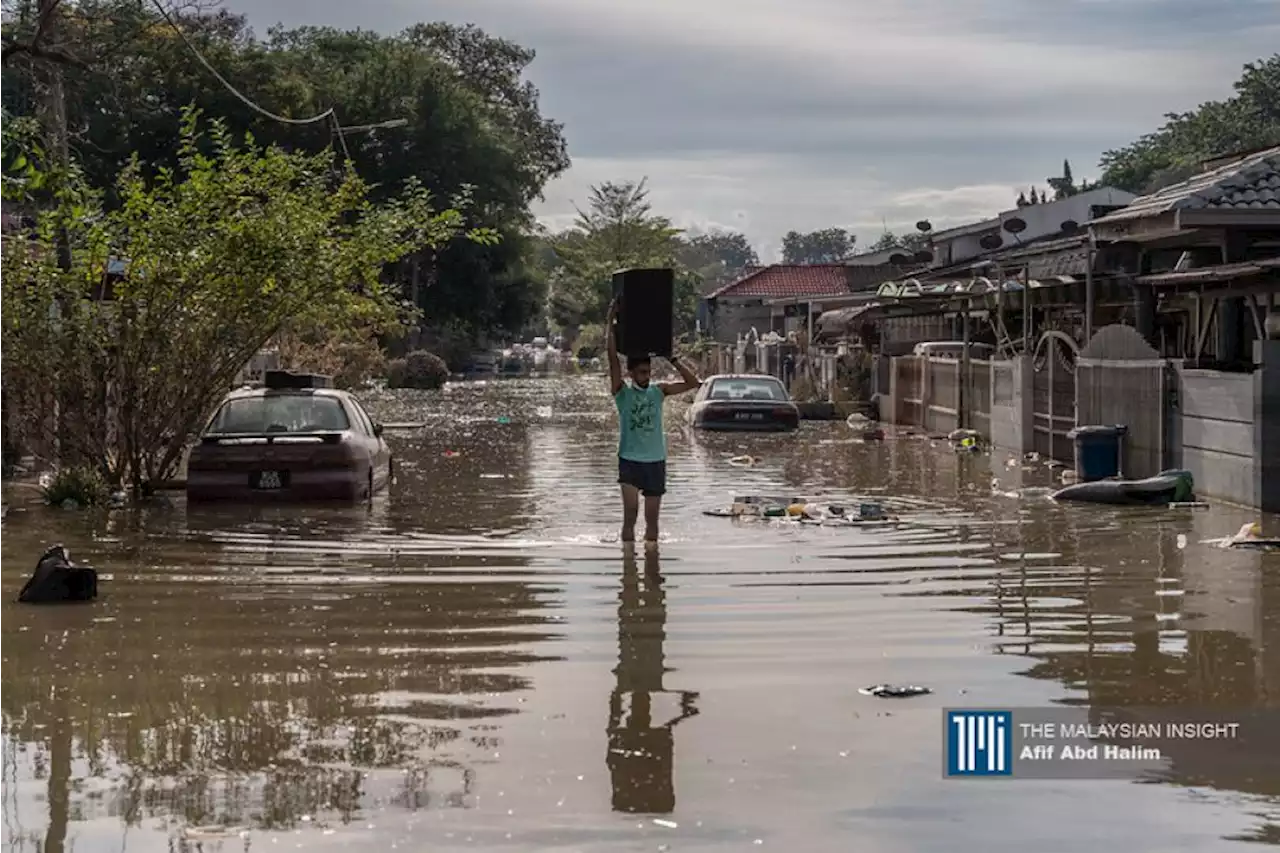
[{"x": 53, "y": 119}]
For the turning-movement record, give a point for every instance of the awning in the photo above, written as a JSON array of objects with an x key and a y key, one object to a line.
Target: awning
[
  {"x": 838, "y": 323},
  {"x": 1211, "y": 275}
]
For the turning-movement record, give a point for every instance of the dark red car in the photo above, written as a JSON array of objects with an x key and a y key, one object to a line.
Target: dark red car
[{"x": 296, "y": 439}]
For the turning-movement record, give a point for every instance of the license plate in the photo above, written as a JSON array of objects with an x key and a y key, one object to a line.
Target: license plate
[
  {"x": 269, "y": 480},
  {"x": 748, "y": 416}
]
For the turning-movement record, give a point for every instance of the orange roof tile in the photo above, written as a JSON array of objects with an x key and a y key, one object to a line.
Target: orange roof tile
[{"x": 780, "y": 281}]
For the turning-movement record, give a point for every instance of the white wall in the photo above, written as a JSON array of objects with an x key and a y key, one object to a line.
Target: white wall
[{"x": 1042, "y": 220}]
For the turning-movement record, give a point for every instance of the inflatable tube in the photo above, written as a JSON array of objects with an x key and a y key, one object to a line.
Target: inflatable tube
[{"x": 1165, "y": 488}]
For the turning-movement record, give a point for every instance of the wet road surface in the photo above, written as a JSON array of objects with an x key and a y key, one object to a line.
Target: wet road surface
[{"x": 472, "y": 663}]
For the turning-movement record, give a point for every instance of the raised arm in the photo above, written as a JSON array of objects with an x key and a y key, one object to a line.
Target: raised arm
[
  {"x": 611, "y": 348},
  {"x": 689, "y": 380}
]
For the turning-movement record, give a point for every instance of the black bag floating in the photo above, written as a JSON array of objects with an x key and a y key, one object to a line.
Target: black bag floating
[
  {"x": 646, "y": 308},
  {"x": 57, "y": 580}
]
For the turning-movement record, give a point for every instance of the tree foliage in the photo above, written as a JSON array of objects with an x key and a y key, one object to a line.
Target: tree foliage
[
  {"x": 717, "y": 258},
  {"x": 170, "y": 292},
  {"x": 618, "y": 229},
  {"x": 1248, "y": 120},
  {"x": 471, "y": 122},
  {"x": 828, "y": 246},
  {"x": 908, "y": 243}
]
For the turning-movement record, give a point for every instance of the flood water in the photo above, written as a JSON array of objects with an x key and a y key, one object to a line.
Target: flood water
[{"x": 471, "y": 663}]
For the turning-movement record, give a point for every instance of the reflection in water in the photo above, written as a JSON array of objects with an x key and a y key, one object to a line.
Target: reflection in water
[{"x": 641, "y": 754}]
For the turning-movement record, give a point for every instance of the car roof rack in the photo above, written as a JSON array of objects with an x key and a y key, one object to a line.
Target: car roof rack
[{"x": 278, "y": 380}]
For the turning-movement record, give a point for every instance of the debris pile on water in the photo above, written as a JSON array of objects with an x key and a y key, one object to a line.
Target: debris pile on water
[
  {"x": 750, "y": 507},
  {"x": 894, "y": 691}
]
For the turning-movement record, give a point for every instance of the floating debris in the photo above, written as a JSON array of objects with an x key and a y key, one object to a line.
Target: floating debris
[
  {"x": 799, "y": 510},
  {"x": 894, "y": 691},
  {"x": 743, "y": 461},
  {"x": 1250, "y": 536}
]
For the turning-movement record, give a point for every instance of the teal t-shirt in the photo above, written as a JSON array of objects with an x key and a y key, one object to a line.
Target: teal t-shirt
[{"x": 640, "y": 435}]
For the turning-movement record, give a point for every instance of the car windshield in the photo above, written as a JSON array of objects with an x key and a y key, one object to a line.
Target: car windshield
[
  {"x": 280, "y": 413},
  {"x": 747, "y": 389}
]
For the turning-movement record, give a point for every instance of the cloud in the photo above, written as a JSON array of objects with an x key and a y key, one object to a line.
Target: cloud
[{"x": 769, "y": 115}]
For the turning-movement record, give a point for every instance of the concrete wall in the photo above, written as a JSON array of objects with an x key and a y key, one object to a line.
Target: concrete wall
[
  {"x": 1215, "y": 435},
  {"x": 734, "y": 317},
  {"x": 1266, "y": 418},
  {"x": 1042, "y": 220}
]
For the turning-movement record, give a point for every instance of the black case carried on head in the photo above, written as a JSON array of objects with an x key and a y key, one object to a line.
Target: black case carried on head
[{"x": 646, "y": 308}]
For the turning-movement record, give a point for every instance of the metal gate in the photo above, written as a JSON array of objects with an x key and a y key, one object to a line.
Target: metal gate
[{"x": 1053, "y": 388}]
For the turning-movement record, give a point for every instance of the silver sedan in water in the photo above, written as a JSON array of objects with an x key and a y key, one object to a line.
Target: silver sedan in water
[{"x": 744, "y": 403}]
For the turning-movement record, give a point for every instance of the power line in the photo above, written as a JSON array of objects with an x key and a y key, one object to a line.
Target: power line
[{"x": 327, "y": 114}]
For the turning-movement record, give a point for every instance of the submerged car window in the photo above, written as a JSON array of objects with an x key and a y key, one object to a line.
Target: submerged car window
[
  {"x": 747, "y": 389},
  {"x": 280, "y": 413}
]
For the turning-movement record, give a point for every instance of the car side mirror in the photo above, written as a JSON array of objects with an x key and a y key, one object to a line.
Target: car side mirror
[{"x": 378, "y": 429}]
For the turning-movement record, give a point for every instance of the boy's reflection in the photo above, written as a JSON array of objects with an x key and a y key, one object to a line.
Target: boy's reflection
[{"x": 640, "y": 755}]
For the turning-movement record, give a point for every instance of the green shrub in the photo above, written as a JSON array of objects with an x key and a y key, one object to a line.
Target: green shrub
[
  {"x": 395, "y": 372},
  {"x": 419, "y": 369},
  {"x": 80, "y": 486}
]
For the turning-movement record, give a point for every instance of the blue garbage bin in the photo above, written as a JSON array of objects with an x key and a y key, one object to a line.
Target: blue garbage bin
[{"x": 1098, "y": 450}]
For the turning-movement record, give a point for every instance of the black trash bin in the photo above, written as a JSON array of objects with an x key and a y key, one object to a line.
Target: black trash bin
[{"x": 1098, "y": 451}]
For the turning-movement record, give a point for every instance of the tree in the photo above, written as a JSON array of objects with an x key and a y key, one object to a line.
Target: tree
[
  {"x": 1250, "y": 119},
  {"x": 828, "y": 246},
  {"x": 471, "y": 122},
  {"x": 908, "y": 243},
  {"x": 718, "y": 257},
  {"x": 171, "y": 292},
  {"x": 617, "y": 230}
]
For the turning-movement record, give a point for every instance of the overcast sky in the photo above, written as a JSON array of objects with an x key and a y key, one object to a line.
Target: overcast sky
[{"x": 770, "y": 115}]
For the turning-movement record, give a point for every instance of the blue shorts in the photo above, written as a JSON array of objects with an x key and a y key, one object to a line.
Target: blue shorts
[{"x": 649, "y": 477}]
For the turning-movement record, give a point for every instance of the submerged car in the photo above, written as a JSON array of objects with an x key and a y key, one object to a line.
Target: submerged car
[
  {"x": 294, "y": 439},
  {"x": 759, "y": 403}
]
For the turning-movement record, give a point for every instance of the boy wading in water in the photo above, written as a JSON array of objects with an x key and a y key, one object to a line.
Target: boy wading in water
[{"x": 642, "y": 443}]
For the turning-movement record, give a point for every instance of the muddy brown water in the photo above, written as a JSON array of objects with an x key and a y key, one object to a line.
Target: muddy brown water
[{"x": 471, "y": 664}]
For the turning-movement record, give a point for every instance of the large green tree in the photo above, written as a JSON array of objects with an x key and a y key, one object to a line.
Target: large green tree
[
  {"x": 464, "y": 118},
  {"x": 717, "y": 257},
  {"x": 827, "y": 246},
  {"x": 1247, "y": 120}
]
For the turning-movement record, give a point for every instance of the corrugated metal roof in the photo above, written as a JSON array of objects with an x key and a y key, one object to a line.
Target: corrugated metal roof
[
  {"x": 1250, "y": 183},
  {"x": 1221, "y": 272}
]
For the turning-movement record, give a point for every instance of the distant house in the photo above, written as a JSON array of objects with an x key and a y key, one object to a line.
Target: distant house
[{"x": 780, "y": 297}]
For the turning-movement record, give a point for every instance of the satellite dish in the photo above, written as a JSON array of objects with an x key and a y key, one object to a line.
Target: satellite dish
[
  {"x": 1014, "y": 225},
  {"x": 923, "y": 256},
  {"x": 991, "y": 241},
  {"x": 924, "y": 226},
  {"x": 1069, "y": 226}
]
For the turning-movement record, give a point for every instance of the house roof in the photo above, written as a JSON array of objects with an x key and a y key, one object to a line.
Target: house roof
[
  {"x": 780, "y": 281},
  {"x": 1251, "y": 182}
]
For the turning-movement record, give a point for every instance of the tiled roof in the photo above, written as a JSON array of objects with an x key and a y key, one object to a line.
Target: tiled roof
[
  {"x": 789, "y": 280},
  {"x": 1249, "y": 183}
]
